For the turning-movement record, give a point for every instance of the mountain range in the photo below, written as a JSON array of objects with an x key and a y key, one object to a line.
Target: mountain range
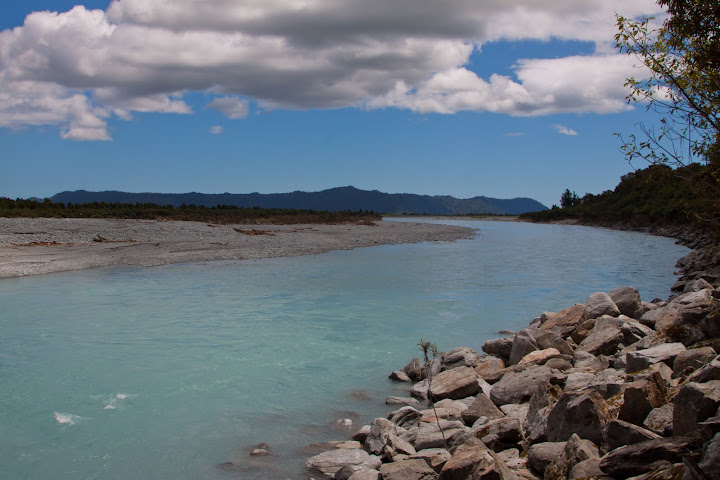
[{"x": 334, "y": 199}]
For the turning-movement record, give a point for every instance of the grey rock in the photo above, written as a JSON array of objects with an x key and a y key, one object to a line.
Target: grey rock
[
  {"x": 694, "y": 403},
  {"x": 642, "y": 359},
  {"x": 414, "y": 370},
  {"x": 523, "y": 343},
  {"x": 627, "y": 300},
  {"x": 408, "y": 401},
  {"x": 709, "y": 372},
  {"x": 541, "y": 403},
  {"x": 430, "y": 436},
  {"x": 587, "y": 469},
  {"x": 710, "y": 461},
  {"x": 576, "y": 450},
  {"x": 473, "y": 460},
  {"x": 561, "y": 364},
  {"x": 578, "y": 380},
  {"x": 501, "y": 434},
  {"x": 380, "y": 432},
  {"x": 692, "y": 359},
  {"x": 640, "y": 397},
  {"x": 412, "y": 469},
  {"x": 435, "y": 457},
  {"x": 404, "y": 417},
  {"x": 697, "y": 285},
  {"x": 399, "y": 376},
  {"x": 516, "y": 411},
  {"x": 420, "y": 390},
  {"x": 457, "y": 383},
  {"x": 489, "y": 365},
  {"x": 328, "y": 463},
  {"x": 361, "y": 434},
  {"x": 540, "y": 357},
  {"x": 589, "y": 362},
  {"x": 482, "y": 406},
  {"x": 518, "y": 387},
  {"x": 710, "y": 325},
  {"x": 660, "y": 420},
  {"x": 583, "y": 413},
  {"x": 650, "y": 318},
  {"x": 618, "y": 433},
  {"x": 460, "y": 357},
  {"x": 565, "y": 321},
  {"x": 608, "y": 382},
  {"x": 499, "y": 347},
  {"x": 643, "y": 457},
  {"x": 540, "y": 455},
  {"x": 602, "y": 341},
  {"x": 599, "y": 304},
  {"x": 633, "y": 331},
  {"x": 365, "y": 474}
]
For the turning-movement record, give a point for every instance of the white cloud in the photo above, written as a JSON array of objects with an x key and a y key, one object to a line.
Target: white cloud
[
  {"x": 216, "y": 129},
  {"x": 563, "y": 130},
  {"x": 75, "y": 69},
  {"x": 231, "y": 107}
]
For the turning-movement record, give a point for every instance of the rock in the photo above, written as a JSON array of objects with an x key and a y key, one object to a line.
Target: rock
[
  {"x": 634, "y": 331},
  {"x": 618, "y": 433},
  {"x": 459, "y": 357},
  {"x": 602, "y": 341},
  {"x": 380, "y": 432},
  {"x": 531, "y": 339},
  {"x": 583, "y": 413},
  {"x": 642, "y": 359},
  {"x": 401, "y": 401},
  {"x": 631, "y": 460},
  {"x": 365, "y": 474},
  {"x": 499, "y": 347},
  {"x": 401, "y": 446},
  {"x": 361, "y": 434},
  {"x": 709, "y": 372},
  {"x": 518, "y": 387},
  {"x": 489, "y": 365},
  {"x": 694, "y": 403},
  {"x": 697, "y": 285},
  {"x": 457, "y": 383},
  {"x": 328, "y": 463},
  {"x": 582, "y": 330},
  {"x": 578, "y": 380},
  {"x": 640, "y": 397},
  {"x": 414, "y": 370},
  {"x": 559, "y": 364},
  {"x": 259, "y": 452},
  {"x": 540, "y": 357},
  {"x": 599, "y": 304},
  {"x": 588, "y": 362},
  {"x": 404, "y": 417},
  {"x": 587, "y": 469},
  {"x": 501, "y": 434},
  {"x": 565, "y": 321},
  {"x": 660, "y": 420},
  {"x": 576, "y": 450},
  {"x": 627, "y": 300},
  {"x": 650, "y": 318},
  {"x": 541, "y": 403},
  {"x": 435, "y": 457},
  {"x": 482, "y": 406},
  {"x": 412, "y": 469},
  {"x": 711, "y": 459},
  {"x": 710, "y": 325},
  {"x": 516, "y": 411},
  {"x": 690, "y": 360},
  {"x": 540, "y": 455},
  {"x": 473, "y": 460},
  {"x": 607, "y": 383},
  {"x": 420, "y": 390},
  {"x": 430, "y": 436},
  {"x": 399, "y": 376}
]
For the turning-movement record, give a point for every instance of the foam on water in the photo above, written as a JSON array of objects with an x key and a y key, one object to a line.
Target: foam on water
[{"x": 66, "y": 418}]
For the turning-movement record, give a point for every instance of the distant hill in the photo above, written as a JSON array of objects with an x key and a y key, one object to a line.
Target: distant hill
[{"x": 334, "y": 199}]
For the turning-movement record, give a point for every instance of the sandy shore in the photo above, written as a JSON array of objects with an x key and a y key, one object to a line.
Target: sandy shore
[{"x": 46, "y": 245}]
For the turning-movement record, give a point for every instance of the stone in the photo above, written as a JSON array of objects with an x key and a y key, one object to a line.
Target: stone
[
  {"x": 435, "y": 457},
  {"x": 412, "y": 469},
  {"x": 584, "y": 413},
  {"x": 328, "y": 463},
  {"x": 709, "y": 372},
  {"x": 588, "y": 362},
  {"x": 587, "y": 469},
  {"x": 618, "y": 433},
  {"x": 404, "y": 417},
  {"x": 518, "y": 387},
  {"x": 599, "y": 304},
  {"x": 540, "y": 357},
  {"x": 259, "y": 452},
  {"x": 499, "y": 347},
  {"x": 694, "y": 403},
  {"x": 582, "y": 330},
  {"x": 380, "y": 431},
  {"x": 627, "y": 300},
  {"x": 516, "y": 411},
  {"x": 415, "y": 370},
  {"x": 564, "y": 322},
  {"x": 473, "y": 460},
  {"x": 643, "y": 457},
  {"x": 602, "y": 341},
  {"x": 488, "y": 366},
  {"x": 540, "y": 455},
  {"x": 420, "y": 390},
  {"x": 402, "y": 401},
  {"x": 457, "y": 383},
  {"x": 400, "y": 445},
  {"x": 692, "y": 359},
  {"x": 710, "y": 462},
  {"x": 576, "y": 450},
  {"x": 697, "y": 285},
  {"x": 541, "y": 403},
  {"x": 660, "y": 420},
  {"x": 633, "y": 331},
  {"x": 399, "y": 376},
  {"x": 640, "y": 397},
  {"x": 578, "y": 380},
  {"x": 482, "y": 406},
  {"x": 459, "y": 357},
  {"x": 561, "y": 364},
  {"x": 365, "y": 474},
  {"x": 523, "y": 343},
  {"x": 642, "y": 359},
  {"x": 607, "y": 383},
  {"x": 430, "y": 436},
  {"x": 361, "y": 434},
  {"x": 501, "y": 434},
  {"x": 710, "y": 325},
  {"x": 650, "y": 318}
]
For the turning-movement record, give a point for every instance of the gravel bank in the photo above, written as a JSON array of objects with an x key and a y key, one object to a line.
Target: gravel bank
[{"x": 46, "y": 245}]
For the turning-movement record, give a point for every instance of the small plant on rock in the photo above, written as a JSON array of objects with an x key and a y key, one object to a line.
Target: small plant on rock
[{"x": 429, "y": 350}]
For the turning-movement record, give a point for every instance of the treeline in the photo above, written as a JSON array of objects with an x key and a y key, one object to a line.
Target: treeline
[
  {"x": 220, "y": 214},
  {"x": 656, "y": 195}
]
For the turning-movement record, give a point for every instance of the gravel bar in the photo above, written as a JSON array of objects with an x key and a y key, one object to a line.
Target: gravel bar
[{"x": 33, "y": 246}]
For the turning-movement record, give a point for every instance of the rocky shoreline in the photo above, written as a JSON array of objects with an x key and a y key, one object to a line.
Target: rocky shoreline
[{"x": 612, "y": 388}]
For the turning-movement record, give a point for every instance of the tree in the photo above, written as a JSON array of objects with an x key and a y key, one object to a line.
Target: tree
[
  {"x": 683, "y": 58},
  {"x": 569, "y": 199}
]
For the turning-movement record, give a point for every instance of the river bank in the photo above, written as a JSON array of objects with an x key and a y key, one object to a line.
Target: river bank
[
  {"x": 46, "y": 245},
  {"x": 612, "y": 388}
]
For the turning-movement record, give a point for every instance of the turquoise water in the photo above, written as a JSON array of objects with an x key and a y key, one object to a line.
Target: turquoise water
[{"x": 169, "y": 371}]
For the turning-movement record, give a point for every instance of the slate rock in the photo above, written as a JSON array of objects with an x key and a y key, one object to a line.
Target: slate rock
[
  {"x": 489, "y": 365},
  {"x": 414, "y": 370},
  {"x": 540, "y": 357},
  {"x": 584, "y": 413},
  {"x": 618, "y": 433},
  {"x": 482, "y": 406},
  {"x": 407, "y": 401},
  {"x": 627, "y": 300},
  {"x": 642, "y": 359},
  {"x": 518, "y": 387},
  {"x": 540, "y": 455},
  {"x": 692, "y": 359},
  {"x": 457, "y": 383},
  {"x": 643, "y": 457},
  {"x": 365, "y": 474},
  {"x": 576, "y": 450},
  {"x": 435, "y": 457},
  {"x": 588, "y": 362},
  {"x": 498, "y": 347},
  {"x": 565, "y": 321},
  {"x": 473, "y": 460},
  {"x": 599, "y": 304},
  {"x": 709, "y": 372},
  {"x": 710, "y": 325},
  {"x": 380, "y": 431},
  {"x": 459, "y": 357},
  {"x": 404, "y": 417},
  {"x": 328, "y": 463},
  {"x": 640, "y": 397},
  {"x": 400, "y": 376},
  {"x": 541, "y": 403},
  {"x": 602, "y": 341},
  {"x": 660, "y": 420},
  {"x": 501, "y": 434},
  {"x": 694, "y": 403},
  {"x": 412, "y": 469},
  {"x": 710, "y": 462}
]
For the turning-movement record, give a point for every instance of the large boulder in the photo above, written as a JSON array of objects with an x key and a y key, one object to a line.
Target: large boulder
[
  {"x": 457, "y": 383},
  {"x": 618, "y": 433},
  {"x": 541, "y": 403},
  {"x": 711, "y": 371},
  {"x": 489, "y": 365},
  {"x": 639, "y": 458},
  {"x": 540, "y": 357},
  {"x": 415, "y": 370},
  {"x": 411, "y": 469},
  {"x": 499, "y": 347},
  {"x": 482, "y": 406},
  {"x": 710, "y": 461},
  {"x": 627, "y": 300},
  {"x": 694, "y": 403},
  {"x": 473, "y": 460},
  {"x": 328, "y": 463},
  {"x": 576, "y": 450},
  {"x": 435, "y": 457},
  {"x": 430, "y": 436},
  {"x": 380, "y": 432},
  {"x": 403, "y": 417},
  {"x": 584, "y": 413},
  {"x": 693, "y": 359},
  {"x": 660, "y": 420},
  {"x": 531, "y": 339},
  {"x": 501, "y": 434},
  {"x": 565, "y": 321},
  {"x": 540, "y": 455},
  {"x": 459, "y": 357},
  {"x": 518, "y": 387},
  {"x": 602, "y": 341},
  {"x": 640, "y": 397},
  {"x": 642, "y": 359},
  {"x": 599, "y": 304}
]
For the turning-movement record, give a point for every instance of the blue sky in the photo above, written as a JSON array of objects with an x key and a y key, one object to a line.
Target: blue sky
[{"x": 502, "y": 99}]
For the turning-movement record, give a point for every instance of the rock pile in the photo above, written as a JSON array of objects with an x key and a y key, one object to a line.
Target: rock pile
[{"x": 613, "y": 388}]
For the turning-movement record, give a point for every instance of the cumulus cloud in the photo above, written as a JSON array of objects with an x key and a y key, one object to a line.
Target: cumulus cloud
[
  {"x": 216, "y": 129},
  {"x": 76, "y": 69},
  {"x": 563, "y": 130}
]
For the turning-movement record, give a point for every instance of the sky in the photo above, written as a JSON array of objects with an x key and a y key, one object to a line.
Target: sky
[{"x": 437, "y": 97}]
